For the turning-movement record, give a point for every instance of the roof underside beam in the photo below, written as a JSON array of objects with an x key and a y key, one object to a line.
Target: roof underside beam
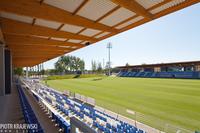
[
  {"x": 157, "y": 15},
  {"x": 35, "y": 41},
  {"x": 132, "y": 5},
  {"x": 1, "y": 36},
  {"x": 34, "y": 9},
  {"x": 26, "y": 63},
  {"x": 21, "y": 53},
  {"x": 36, "y": 48},
  {"x": 16, "y": 27},
  {"x": 32, "y": 61}
]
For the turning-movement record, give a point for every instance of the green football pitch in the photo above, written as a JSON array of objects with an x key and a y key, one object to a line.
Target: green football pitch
[{"x": 158, "y": 101}]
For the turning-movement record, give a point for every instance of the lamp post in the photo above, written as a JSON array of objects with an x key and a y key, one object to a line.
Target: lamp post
[{"x": 109, "y": 46}]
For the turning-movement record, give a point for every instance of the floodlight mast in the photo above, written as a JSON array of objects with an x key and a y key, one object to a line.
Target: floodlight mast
[{"x": 109, "y": 46}]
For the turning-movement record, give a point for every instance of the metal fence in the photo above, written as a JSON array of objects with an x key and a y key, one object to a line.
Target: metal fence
[
  {"x": 175, "y": 129},
  {"x": 160, "y": 126}
]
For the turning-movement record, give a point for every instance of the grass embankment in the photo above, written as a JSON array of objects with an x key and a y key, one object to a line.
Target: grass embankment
[{"x": 71, "y": 76}]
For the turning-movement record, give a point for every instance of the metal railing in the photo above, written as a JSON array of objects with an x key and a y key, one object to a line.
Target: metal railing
[{"x": 159, "y": 124}]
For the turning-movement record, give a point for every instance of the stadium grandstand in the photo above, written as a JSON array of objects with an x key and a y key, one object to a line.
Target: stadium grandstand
[
  {"x": 35, "y": 31},
  {"x": 187, "y": 70}
]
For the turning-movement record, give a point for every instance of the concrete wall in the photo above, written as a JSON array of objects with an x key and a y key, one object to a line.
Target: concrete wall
[
  {"x": 8, "y": 71},
  {"x": 5, "y": 68},
  {"x": 2, "y": 71}
]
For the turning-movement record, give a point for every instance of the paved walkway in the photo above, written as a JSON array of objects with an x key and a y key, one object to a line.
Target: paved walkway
[
  {"x": 11, "y": 113},
  {"x": 10, "y": 109}
]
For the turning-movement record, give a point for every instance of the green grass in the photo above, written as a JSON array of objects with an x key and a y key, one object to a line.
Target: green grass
[{"x": 174, "y": 101}]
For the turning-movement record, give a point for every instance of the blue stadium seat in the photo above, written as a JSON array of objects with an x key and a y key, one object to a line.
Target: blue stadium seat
[
  {"x": 178, "y": 74},
  {"x": 28, "y": 113}
]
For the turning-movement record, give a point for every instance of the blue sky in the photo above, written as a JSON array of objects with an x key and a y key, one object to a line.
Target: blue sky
[{"x": 172, "y": 38}]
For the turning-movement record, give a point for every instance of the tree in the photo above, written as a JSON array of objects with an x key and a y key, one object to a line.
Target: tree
[
  {"x": 59, "y": 65},
  {"x": 94, "y": 66},
  {"x": 66, "y": 61},
  {"x": 42, "y": 72},
  {"x": 69, "y": 63},
  {"x": 99, "y": 67},
  {"x": 18, "y": 71},
  {"x": 77, "y": 63},
  {"x": 106, "y": 66},
  {"x": 82, "y": 66},
  {"x": 72, "y": 62}
]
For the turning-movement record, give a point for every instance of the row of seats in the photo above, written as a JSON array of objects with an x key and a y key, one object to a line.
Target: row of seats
[
  {"x": 95, "y": 119},
  {"x": 61, "y": 123},
  {"x": 188, "y": 75},
  {"x": 28, "y": 113}
]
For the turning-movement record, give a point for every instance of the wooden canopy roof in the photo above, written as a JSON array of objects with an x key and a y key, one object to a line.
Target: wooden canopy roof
[{"x": 38, "y": 30}]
